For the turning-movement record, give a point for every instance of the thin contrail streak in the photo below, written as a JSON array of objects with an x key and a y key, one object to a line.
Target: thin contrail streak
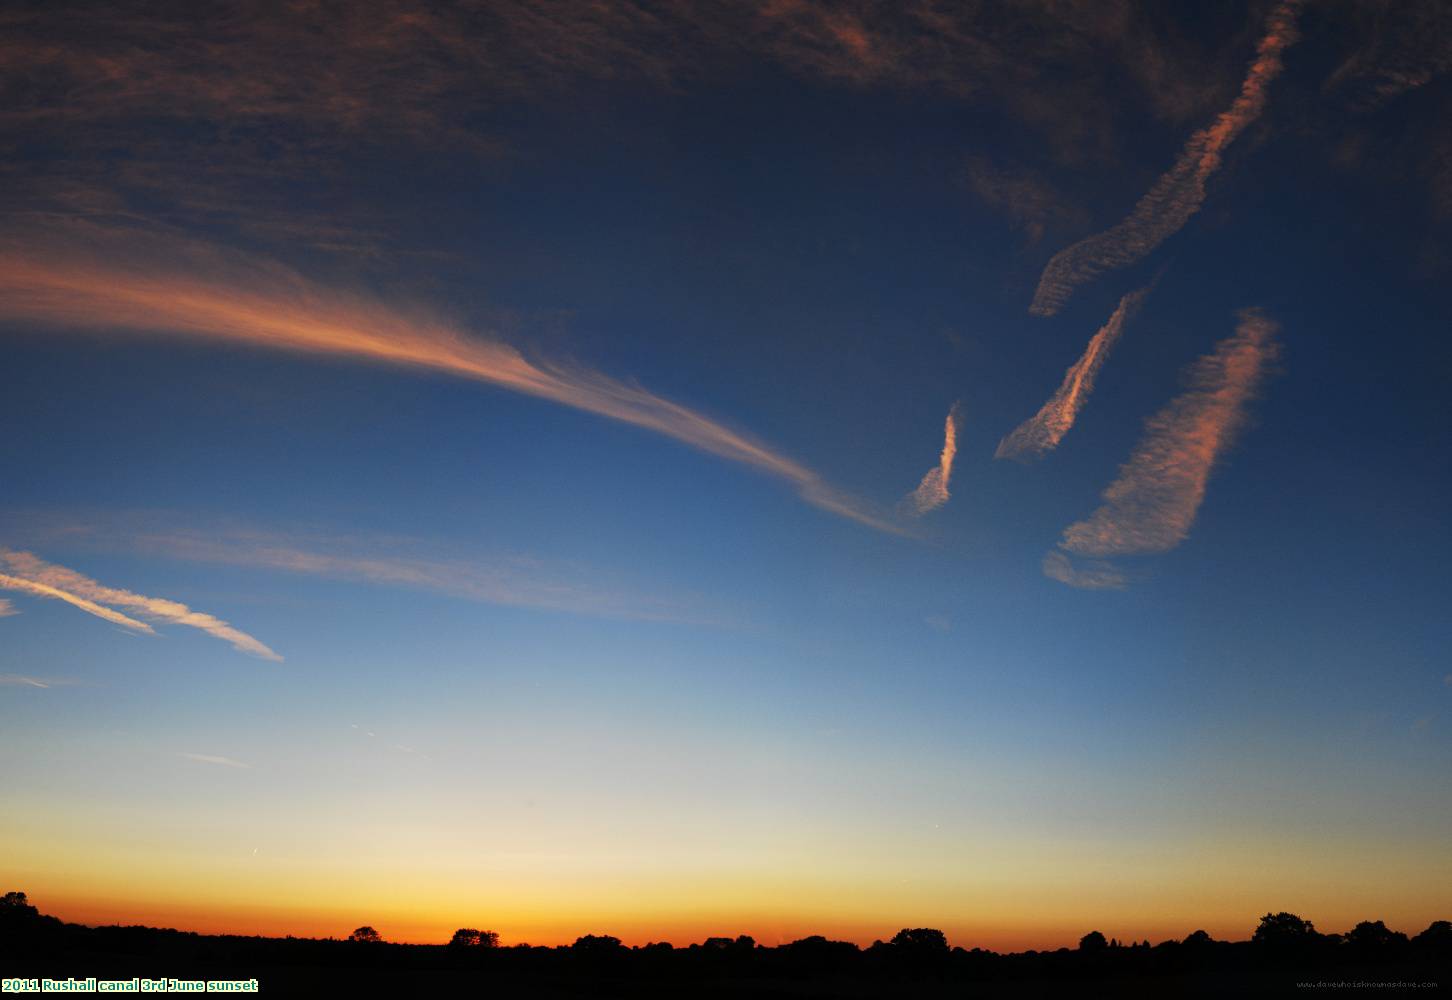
[
  {"x": 22, "y": 585},
  {"x": 87, "y": 594}
]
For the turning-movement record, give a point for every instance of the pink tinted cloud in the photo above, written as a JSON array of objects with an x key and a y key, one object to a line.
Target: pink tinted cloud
[
  {"x": 932, "y": 492},
  {"x": 1178, "y": 194},
  {"x": 1042, "y": 432},
  {"x": 1151, "y": 506}
]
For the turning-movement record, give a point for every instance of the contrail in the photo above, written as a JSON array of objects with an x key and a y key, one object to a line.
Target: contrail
[
  {"x": 1177, "y": 195},
  {"x": 1042, "y": 432},
  {"x": 91, "y": 596},
  {"x": 932, "y": 492},
  {"x": 270, "y": 306},
  {"x": 8, "y": 582},
  {"x": 1153, "y": 503}
]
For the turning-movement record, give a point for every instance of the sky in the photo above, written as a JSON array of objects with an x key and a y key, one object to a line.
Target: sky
[{"x": 671, "y": 471}]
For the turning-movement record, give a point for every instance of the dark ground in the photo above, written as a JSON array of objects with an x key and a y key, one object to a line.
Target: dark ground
[{"x": 918, "y": 964}]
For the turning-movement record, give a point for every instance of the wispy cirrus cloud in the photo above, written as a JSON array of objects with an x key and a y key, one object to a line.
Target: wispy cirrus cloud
[
  {"x": 1404, "y": 44},
  {"x": 6, "y": 608},
  {"x": 1023, "y": 195},
  {"x": 220, "y": 117},
  {"x": 38, "y": 589},
  {"x": 208, "y": 758},
  {"x": 198, "y": 291},
  {"x": 1178, "y": 194},
  {"x": 429, "y": 71},
  {"x": 1152, "y": 504},
  {"x": 21, "y": 680},
  {"x": 1096, "y": 575},
  {"x": 508, "y": 579},
  {"x": 932, "y": 492},
  {"x": 508, "y": 582},
  {"x": 46, "y": 579},
  {"x": 1042, "y": 432}
]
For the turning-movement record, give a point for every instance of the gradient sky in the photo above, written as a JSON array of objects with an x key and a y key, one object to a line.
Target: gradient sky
[{"x": 550, "y": 398}]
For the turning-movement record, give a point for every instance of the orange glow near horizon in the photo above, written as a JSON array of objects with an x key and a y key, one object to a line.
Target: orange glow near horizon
[
  {"x": 1039, "y": 897},
  {"x": 425, "y": 925}
]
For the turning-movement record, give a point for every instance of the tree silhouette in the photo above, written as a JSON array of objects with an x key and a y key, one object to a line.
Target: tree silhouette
[
  {"x": 468, "y": 937},
  {"x": 915, "y": 956},
  {"x": 598, "y": 944},
  {"x": 16, "y": 912},
  {"x": 1438, "y": 935},
  {"x": 921, "y": 941},
  {"x": 739, "y": 944},
  {"x": 1373, "y": 934},
  {"x": 1283, "y": 930}
]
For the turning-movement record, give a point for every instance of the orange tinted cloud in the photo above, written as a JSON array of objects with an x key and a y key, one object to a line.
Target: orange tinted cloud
[
  {"x": 267, "y": 305},
  {"x": 7, "y": 609},
  {"x": 1178, "y": 194},
  {"x": 23, "y": 585},
  {"x": 91, "y": 596},
  {"x": 1042, "y": 432},
  {"x": 932, "y": 492},
  {"x": 1153, "y": 503}
]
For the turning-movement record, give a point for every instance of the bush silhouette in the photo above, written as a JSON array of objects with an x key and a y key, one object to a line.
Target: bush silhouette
[
  {"x": 366, "y": 935},
  {"x": 1093, "y": 941}
]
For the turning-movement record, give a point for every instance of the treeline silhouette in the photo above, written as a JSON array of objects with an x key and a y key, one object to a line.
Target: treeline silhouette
[{"x": 1283, "y": 952}]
